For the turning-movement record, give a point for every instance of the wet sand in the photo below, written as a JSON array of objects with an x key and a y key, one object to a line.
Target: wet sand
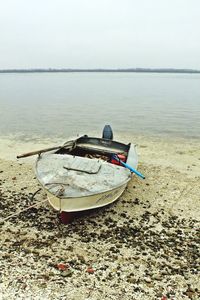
[{"x": 144, "y": 246}]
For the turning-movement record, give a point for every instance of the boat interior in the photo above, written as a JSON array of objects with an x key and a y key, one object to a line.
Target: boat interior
[{"x": 95, "y": 148}]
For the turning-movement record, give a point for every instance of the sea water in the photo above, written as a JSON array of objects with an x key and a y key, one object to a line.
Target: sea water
[{"x": 64, "y": 104}]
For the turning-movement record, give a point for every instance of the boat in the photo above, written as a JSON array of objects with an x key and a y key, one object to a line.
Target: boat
[{"x": 86, "y": 172}]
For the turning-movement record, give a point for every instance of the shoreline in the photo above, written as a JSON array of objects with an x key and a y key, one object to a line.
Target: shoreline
[
  {"x": 177, "y": 152},
  {"x": 144, "y": 246}
]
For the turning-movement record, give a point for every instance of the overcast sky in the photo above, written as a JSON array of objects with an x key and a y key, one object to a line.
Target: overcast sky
[{"x": 99, "y": 33}]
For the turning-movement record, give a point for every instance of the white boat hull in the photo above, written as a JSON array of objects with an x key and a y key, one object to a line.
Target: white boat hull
[
  {"x": 87, "y": 202},
  {"x": 75, "y": 183}
]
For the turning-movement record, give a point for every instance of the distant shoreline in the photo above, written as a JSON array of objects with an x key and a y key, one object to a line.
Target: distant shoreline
[{"x": 129, "y": 70}]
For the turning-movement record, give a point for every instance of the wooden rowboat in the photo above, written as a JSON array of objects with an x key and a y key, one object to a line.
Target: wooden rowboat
[{"x": 83, "y": 174}]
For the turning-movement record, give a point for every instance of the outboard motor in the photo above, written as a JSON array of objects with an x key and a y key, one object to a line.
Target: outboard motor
[{"x": 107, "y": 132}]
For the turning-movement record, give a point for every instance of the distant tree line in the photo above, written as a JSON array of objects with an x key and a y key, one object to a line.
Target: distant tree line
[{"x": 129, "y": 70}]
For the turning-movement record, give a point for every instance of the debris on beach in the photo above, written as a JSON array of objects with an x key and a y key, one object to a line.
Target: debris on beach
[
  {"x": 90, "y": 270},
  {"x": 141, "y": 247},
  {"x": 62, "y": 267}
]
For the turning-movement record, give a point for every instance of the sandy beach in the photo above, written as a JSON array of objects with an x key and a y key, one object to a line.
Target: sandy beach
[{"x": 144, "y": 246}]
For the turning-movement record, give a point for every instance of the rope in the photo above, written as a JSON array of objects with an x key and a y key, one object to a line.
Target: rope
[{"x": 17, "y": 213}]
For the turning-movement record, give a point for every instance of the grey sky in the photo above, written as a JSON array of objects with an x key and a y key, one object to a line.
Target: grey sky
[{"x": 99, "y": 33}]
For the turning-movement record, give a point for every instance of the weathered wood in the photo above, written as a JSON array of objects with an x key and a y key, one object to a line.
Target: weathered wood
[
  {"x": 68, "y": 145},
  {"x": 38, "y": 152}
]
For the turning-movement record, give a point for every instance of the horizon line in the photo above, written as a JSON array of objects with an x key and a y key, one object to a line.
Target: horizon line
[{"x": 133, "y": 70}]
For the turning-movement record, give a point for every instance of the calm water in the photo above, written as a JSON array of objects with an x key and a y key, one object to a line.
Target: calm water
[{"x": 67, "y": 103}]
